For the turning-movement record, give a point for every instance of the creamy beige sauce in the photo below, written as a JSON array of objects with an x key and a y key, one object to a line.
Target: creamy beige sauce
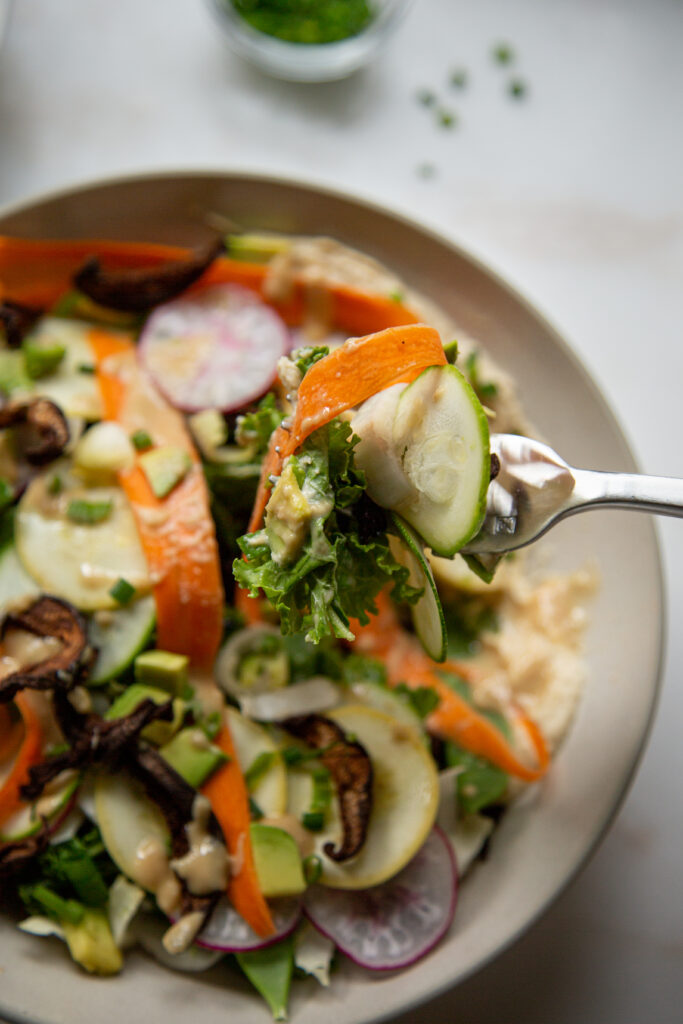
[
  {"x": 25, "y": 649},
  {"x": 205, "y": 867},
  {"x": 183, "y": 933}
]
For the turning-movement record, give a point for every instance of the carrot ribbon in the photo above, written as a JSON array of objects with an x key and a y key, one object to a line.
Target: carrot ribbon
[{"x": 30, "y": 752}]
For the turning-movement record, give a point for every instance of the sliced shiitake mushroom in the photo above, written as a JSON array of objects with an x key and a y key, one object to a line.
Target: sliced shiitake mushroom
[
  {"x": 49, "y": 617},
  {"x": 351, "y": 770},
  {"x": 45, "y": 429},
  {"x": 139, "y": 290},
  {"x": 16, "y": 320}
]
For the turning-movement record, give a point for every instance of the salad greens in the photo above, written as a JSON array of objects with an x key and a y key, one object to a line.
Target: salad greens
[{"x": 343, "y": 559}]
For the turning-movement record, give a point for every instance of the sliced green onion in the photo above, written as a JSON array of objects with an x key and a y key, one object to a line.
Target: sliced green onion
[
  {"x": 314, "y": 818},
  {"x": 313, "y": 868},
  {"x": 255, "y": 810},
  {"x": 88, "y": 512},
  {"x": 123, "y": 592},
  {"x": 141, "y": 440},
  {"x": 86, "y": 368},
  {"x": 261, "y": 764},
  {"x": 55, "y": 486}
]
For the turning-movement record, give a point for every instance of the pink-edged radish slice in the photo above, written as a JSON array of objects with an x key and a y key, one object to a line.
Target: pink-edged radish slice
[
  {"x": 397, "y": 923},
  {"x": 217, "y": 349},
  {"x": 227, "y": 931}
]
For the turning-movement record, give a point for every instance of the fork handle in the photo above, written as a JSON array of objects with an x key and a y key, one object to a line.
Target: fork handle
[{"x": 662, "y": 495}]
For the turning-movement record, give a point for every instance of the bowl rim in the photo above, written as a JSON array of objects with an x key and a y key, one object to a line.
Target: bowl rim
[{"x": 22, "y": 205}]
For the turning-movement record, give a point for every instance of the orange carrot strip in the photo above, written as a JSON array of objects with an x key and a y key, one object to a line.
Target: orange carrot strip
[
  {"x": 454, "y": 718},
  {"x": 347, "y": 376},
  {"x": 10, "y": 734},
  {"x": 38, "y": 271},
  {"x": 30, "y": 753},
  {"x": 177, "y": 532},
  {"x": 227, "y": 794}
]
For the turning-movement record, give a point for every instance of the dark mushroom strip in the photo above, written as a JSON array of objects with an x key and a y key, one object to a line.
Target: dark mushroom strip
[
  {"x": 139, "y": 290},
  {"x": 351, "y": 770},
  {"x": 17, "y": 320},
  {"x": 93, "y": 740},
  {"x": 49, "y": 617},
  {"x": 45, "y": 425}
]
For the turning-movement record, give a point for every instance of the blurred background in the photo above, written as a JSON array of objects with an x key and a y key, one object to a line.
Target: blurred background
[{"x": 544, "y": 136}]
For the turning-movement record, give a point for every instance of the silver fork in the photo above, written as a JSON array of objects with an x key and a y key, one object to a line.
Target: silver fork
[{"x": 534, "y": 489}]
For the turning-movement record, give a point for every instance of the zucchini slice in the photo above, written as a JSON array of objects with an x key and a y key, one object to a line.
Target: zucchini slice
[
  {"x": 251, "y": 740},
  {"x": 427, "y": 614},
  {"x": 15, "y": 582},
  {"x": 72, "y": 385},
  {"x": 74, "y": 560},
  {"x": 119, "y": 635}
]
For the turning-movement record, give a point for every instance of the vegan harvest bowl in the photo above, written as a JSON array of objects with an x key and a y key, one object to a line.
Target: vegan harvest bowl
[{"x": 208, "y": 769}]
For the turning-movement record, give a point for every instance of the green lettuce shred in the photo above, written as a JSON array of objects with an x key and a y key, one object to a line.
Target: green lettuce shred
[{"x": 345, "y": 560}]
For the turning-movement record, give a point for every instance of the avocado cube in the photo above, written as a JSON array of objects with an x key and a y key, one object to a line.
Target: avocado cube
[
  {"x": 277, "y": 861},
  {"x": 165, "y": 468},
  {"x": 162, "y": 669},
  {"x": 288, "y": 516},
  {"x": 193, "y": 756}
]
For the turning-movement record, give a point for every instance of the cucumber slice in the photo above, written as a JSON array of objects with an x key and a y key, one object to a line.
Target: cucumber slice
[
  {"x": 29, "y": 818},
  {"x": 15, "y": 582},
  {"x": 427, "y": 614},
  {"x": 78, "y": 561},
  {"x": 441, "y": 435},
  {"x": 119, "y": 636},
  {"x": 251, "y": 740}
]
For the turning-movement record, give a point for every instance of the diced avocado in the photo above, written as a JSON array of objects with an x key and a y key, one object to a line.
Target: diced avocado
[
  {"x": 41, "y": 358},
  {"x": 163, "y": 669},
  {"x": 277, "y": 860},
  {"x": 157, "y": 732},
  {"x": 193, "y": 756},
  {"x": 91, "y": 943},
  {"x": 288, "y": 515},
  {"x": 165, "y": 468}
]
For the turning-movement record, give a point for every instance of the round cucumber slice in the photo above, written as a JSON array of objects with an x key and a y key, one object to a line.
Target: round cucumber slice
[
  {"x": 29, "y": 818},
  {"x": 119, "y": 636},
  {"x": 126, "y": 819},
  {"x": 441, "y": 435},
  {"x": 427, "y": 614},
  {"x": 74, "y": 560}
]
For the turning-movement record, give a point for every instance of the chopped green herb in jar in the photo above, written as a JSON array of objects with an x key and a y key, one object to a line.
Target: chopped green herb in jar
[
  {"x": 458, "y": 78},
  {"x": 426, "y": 171},
  {"x": 446, "y": 118},
  {"x": 306, "y": 21},
  {"x": 426, "y": 97}
]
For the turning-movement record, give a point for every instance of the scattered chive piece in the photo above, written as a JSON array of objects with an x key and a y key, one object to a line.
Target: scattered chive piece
[
  {"x": 55, "y": 486},
  {"x": 41, "y": 360},
  {"x": 141, "y": 440},
  {"x": 123, "y": 592},
  {"x": 313, "y": 868},
  {"x": 517, "y": 88},
  {"x": 446, "y": 118},
  {"x": 426, "y": 171},
  {"x": 211, "y": 725},
  {"x": 88, "y": 512},
  {"x": 397, "y": 295},
  {"x": 458, "y": 78},
  {"x": 63, "y": 910},
  {"x": 6, "y": 493},
  {"x": 426, "y": 97},
  {"x": 503, "y": 54},
  {"x": 86, "y": 368}
]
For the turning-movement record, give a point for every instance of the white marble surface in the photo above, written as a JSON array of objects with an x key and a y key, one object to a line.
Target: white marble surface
[{"x": 574, "y": 194}]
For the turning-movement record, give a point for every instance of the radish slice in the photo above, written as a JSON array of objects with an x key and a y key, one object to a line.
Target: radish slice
[
  {"x": 395, "y": 924},
  {"x": 217, "y": 349},
  {"x": 227, "y": 931}
]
